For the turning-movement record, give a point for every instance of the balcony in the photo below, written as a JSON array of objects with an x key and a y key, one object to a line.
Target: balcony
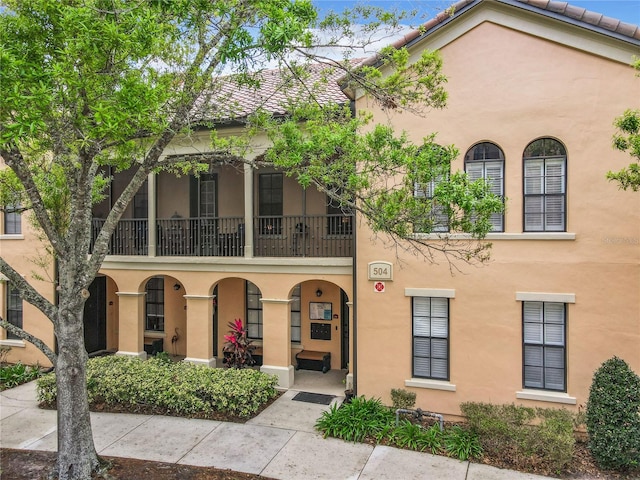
[{"x": 281, "y": 236}]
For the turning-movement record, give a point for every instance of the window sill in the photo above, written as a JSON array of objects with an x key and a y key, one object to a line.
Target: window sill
[
  {"x": 154, "y": 334},
  {"x": 430, "y": 384},
  {"x": 13, "y": 343},
  {"x": 566, "y": 236},
  {"x": 11, "y": 236},
  {"x": 546, "y": 396}
]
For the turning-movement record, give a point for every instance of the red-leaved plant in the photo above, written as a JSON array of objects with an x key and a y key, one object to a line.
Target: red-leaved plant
[{"x": 237, "y": 348}]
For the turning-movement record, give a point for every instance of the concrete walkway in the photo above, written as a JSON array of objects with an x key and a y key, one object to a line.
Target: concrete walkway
[{"x": 280, "y": 443}]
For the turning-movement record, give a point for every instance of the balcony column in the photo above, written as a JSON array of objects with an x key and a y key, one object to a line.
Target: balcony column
[
  {"x": 200, "y": 330},
  {"x": 349, "y": 380},
  {"x": 152, "y": 214},
  {"x": 131, "y": 324},
  {"x": 276, "y": 340},
  {"x": 248, "y": 211}
]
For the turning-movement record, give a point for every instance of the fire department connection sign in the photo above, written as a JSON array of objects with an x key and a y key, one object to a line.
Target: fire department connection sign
[{"x": 378, "y": 287}]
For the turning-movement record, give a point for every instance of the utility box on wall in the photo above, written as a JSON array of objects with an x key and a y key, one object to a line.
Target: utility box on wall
[{"x": 321, "y": 331}]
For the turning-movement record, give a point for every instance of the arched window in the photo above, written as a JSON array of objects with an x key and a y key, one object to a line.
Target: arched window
[
  {"x": 486, "y": 160},
  {"x": 545, "y": 180}
]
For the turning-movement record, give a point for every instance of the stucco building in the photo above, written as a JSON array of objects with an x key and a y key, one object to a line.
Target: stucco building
[{"x": 534, "y": 87}]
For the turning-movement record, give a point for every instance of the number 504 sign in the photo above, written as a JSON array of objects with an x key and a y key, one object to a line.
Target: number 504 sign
[{"x": 380, "y": 271}]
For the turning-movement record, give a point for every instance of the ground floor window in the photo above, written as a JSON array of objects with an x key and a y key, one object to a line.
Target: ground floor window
[
  {"x": 544, "y": 347},
  {"x": 254, "y": 312},
  {"x": 154, "y": 305},
  {"x": 14, "y": 309},
  {"x": 296, "y": 328},
  {"x": 431, "y": 337}
]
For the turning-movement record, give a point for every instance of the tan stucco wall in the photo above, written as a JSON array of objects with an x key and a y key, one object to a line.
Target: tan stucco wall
[
  {"x": 26, "y": 254},
  {"x": 510, "y": 88}
]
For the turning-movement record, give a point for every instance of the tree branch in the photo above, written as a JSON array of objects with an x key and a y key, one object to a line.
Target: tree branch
[{"x": 18, "y": 332}]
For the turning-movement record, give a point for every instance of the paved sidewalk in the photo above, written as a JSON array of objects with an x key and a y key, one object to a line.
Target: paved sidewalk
[{"x": 280, "y": 443}]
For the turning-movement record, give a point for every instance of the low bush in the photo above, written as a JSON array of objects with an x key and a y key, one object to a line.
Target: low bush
[
  {"x": 401, "y": 398},
  {"x": 357, "y": 420},
  {"x": 180, "y": 388},
  {"x": 613, "y": 416},
  {"x": 14, "y": 375},
  {"x": 368, "y": 419},
  {"x": 538, "y": 436}
]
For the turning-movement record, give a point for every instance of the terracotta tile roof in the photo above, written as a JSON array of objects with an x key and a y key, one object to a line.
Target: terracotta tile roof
[
  {"x": 229, "y": 100},
  {"x": 587, "y": 18}
]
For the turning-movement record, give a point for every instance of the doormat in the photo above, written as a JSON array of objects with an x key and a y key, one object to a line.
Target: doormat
[{"x": 318, "y": 398}]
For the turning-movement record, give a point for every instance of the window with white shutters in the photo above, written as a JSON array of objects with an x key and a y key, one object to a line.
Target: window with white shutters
[
  {"x": 486, "y": 161},
  {"x": 438, "y": 220},
  {"x": 13, "y": 220},
  {"x": 431, "y": 338},
  {"x": 545, "y": 164},
  {"x": 544, "y": 327}
]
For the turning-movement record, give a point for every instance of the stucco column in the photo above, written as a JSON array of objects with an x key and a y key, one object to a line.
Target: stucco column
[
  {"x": 200, "y": 330},
  {"x": 276, "y": 340},
  {"x": 131, "y": 324},
  {"x": 248, "y": 211},
  {"x": 152, "y": 214},
  {"x": 349, "y": 379}
]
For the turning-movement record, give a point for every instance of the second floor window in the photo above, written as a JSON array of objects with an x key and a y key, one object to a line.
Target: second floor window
[
  {"x": 12, "y": 220},
  {"x": 155, "y": 305},
  {"x": 270, "y": 199},
  {"x": 545, "y": 180},
  {"x": 486, "y": 161}
]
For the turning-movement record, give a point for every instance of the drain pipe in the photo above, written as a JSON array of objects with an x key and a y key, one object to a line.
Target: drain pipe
[{"x": 419, "y": 413}]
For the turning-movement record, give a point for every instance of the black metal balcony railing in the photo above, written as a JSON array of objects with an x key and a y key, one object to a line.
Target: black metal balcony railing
[
  {"x": 201, "y": 237},
  {"x": 282, "y": 236},
  {"x": 303, "y": 236}
]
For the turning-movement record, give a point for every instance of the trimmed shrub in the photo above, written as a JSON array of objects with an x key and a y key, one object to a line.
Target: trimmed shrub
[
  {"x": 401, "y": 398},
  {"x": 540, "y": 436},
  {"x": 613, "y": 416},
  {"x": 180, "y": 388}
]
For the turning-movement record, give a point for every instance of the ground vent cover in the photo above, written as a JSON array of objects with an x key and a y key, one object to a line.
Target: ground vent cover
[{"x": 319, "y": 398}]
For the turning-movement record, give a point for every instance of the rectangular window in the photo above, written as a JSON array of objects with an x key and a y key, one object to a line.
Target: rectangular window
[
  {"x": 544, "y": 195},
  {"x": 12, "y": 220},
  {"x": 492, "y": 171},
  {"x": 437, "y": 219},
  {"x": 155, "y": 305},
  {"x": 544, "y": 349},
  {"x": 296, "y": 329},
  {"x": 270, "y": 198},
  {"x": 14, "y": 309},
  {"x": 254, "y": 312},
  {"x": 431, "y": 337}
]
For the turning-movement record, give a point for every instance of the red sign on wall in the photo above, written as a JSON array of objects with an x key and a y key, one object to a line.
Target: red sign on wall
[{"x": 378, "y": 287}]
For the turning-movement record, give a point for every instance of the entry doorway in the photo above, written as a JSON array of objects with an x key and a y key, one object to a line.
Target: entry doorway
[{"x": 95, "y": 316}]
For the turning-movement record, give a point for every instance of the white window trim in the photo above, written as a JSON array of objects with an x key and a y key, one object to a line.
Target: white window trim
[
  {"x": 430, "y": 384},
  {"x": 155, "y": 334},
  {"x": 430, "y": 292},
  {"x": 546, "y": 396},
  {"x": 12, "y": 236},
  {"x": 546, "y": 297},
  {"x": 564, "y": 236},
  {"x": 13, "y": 343}
]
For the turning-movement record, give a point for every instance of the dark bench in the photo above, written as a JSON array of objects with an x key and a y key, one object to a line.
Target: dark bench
[
  {"x": 155, "y": 347},
  {"x": 311, "y": 360}
]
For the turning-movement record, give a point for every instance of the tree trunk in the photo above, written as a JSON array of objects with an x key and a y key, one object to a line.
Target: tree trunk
[{"x": 77, "y": 457}]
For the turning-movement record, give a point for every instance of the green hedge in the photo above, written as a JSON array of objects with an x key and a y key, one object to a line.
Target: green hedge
[
  {"x": 181, "y": 388},
  {"x": 542, "y": 436},
  {"x": 613, "y": 416}
]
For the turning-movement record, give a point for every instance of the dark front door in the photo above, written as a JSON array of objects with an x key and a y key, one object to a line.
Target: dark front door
[
  {"x": 95, "y": 316},
  {"x": 344, "y": 315}
]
